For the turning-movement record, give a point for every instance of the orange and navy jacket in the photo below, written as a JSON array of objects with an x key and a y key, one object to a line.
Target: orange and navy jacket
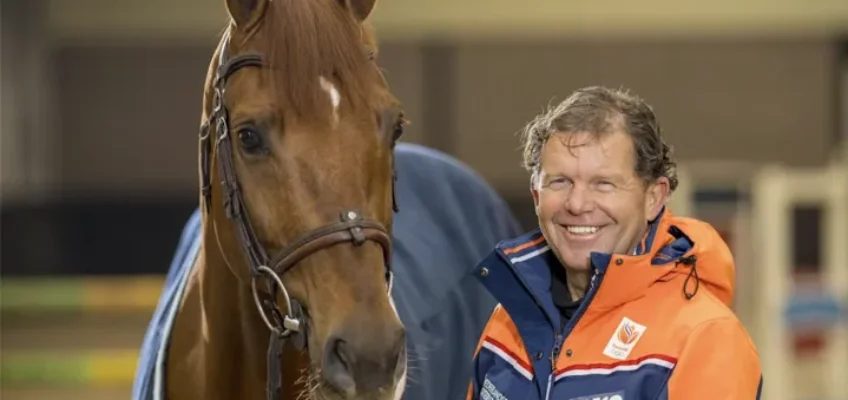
[{"x": 655, "y": 324}]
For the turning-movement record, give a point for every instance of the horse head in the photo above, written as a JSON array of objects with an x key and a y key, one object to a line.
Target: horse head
[{"x": 296, "y": 159}]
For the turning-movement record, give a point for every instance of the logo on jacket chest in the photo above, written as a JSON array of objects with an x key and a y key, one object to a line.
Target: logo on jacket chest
[{"x": 624, "y": 339}]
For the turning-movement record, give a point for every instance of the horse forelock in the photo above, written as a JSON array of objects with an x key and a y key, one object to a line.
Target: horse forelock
[{"x": 306, "y": 40}]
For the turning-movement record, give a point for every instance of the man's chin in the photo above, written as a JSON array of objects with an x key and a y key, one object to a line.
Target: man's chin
[
  {"x": 579, "y": 257},
  {"x": 572, "y": 261},
  {"x": 584, "y": 265}
]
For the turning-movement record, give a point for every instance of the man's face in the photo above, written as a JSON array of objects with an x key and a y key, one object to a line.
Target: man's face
[{"x": 589, "y": 198}]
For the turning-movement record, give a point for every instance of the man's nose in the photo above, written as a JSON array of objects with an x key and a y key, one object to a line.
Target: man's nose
[{"x": 579, "y": 200}]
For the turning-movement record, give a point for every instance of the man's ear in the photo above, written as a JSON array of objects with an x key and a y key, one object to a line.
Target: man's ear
[
  {"x": 361, "y": 9},
  {"x": 534, "y": 190},
  {"x": 656, "y": 197},
  {"x": 246, "y": 13}
]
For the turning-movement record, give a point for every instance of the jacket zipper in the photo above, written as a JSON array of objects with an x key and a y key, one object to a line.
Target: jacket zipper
[{"x": 559, "y": 339}]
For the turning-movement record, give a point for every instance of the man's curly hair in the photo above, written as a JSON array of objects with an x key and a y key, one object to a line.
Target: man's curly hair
[{"x": 599, "y": 110}]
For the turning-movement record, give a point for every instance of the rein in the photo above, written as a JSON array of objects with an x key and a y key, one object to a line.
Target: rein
[{"x": 351, "y": 227}]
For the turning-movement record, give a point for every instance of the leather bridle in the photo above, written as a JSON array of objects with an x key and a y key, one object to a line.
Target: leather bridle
[{"x": 351, "y": 227}]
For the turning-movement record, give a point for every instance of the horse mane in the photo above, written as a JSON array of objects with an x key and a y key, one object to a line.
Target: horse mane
[{"x": 307, "y": 39}]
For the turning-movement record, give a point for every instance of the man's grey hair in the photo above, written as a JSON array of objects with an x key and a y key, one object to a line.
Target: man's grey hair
[{"x": 599, "y": 110}]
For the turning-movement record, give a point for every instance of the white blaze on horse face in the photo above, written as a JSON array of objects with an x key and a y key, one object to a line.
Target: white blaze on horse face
[{"x": 335, "y": 97}]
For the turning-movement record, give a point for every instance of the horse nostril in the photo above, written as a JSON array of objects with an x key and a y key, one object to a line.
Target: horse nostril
[
  {"x": 337, "y": 369},
  {"x": 341, "y": 353},
  {"x": 366, "y": 361}
]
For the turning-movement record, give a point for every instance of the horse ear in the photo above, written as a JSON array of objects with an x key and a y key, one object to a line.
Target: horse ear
[
  {"x": 360, "y": 8},
  {"x": 246, "y": 13}
]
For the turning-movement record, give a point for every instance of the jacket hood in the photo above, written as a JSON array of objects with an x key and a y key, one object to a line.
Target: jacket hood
[
  {"x": 711, "y": 265},
  {"x": 675, "y": 250}
]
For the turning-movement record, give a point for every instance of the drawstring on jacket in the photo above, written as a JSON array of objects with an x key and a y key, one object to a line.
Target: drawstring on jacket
[{"x": 692, "y": 262}]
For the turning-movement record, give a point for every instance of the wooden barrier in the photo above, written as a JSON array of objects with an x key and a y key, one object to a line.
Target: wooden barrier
[
  {"x": 72, "y": 368},
  {"x": 99, "y": 368},
  {"x": 88, "y": 294},
  {"x": 777, "y": 189}
]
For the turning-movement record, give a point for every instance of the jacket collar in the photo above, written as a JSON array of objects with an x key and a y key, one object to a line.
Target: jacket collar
[
  {"x": 627, "y": 277},
  {"x": 620, "y": 277}
]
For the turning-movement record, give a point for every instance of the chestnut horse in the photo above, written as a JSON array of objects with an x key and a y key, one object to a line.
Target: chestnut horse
[
  {"x": 296, "y": 169},
  {"x": 279, "y": 285}
]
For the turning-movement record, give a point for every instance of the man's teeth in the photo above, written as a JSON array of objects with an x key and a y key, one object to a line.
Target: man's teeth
[{"x": 582, "y": 230}]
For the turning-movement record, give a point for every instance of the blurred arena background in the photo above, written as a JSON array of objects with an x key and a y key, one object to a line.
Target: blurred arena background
[{"x": 100, "y": 110}]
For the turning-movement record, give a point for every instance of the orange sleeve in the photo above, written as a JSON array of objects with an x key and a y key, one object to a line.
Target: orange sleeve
[
  {"x": 473, "y": 385},
  {"x": 470, "y": 393},
  {"x": 719, "y": 361}
]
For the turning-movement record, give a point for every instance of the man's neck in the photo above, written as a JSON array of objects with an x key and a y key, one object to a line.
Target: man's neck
[{"x": 577, "y": 283}]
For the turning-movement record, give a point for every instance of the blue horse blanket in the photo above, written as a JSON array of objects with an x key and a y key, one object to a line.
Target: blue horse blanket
[{"x": 449, "y": 219}]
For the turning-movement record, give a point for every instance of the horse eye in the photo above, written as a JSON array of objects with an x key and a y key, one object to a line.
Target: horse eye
[
  {"x": 398, "y": 130},
  {"x": 251, "y": 141}
]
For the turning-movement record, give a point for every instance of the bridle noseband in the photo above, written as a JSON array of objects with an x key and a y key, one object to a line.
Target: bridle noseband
[{"x": 351, "y": 227}]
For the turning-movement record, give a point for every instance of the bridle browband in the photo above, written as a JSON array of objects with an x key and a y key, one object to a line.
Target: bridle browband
[{"x": 351, "y": 227}]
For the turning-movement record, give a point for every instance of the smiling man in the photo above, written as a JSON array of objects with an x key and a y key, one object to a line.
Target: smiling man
[{"x": 613, "y": 297}]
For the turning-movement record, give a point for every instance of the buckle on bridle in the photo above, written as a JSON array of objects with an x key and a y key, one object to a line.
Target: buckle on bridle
[
  {"x": 290, "y": 322},
  {"x": 358, "y": 237}
]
